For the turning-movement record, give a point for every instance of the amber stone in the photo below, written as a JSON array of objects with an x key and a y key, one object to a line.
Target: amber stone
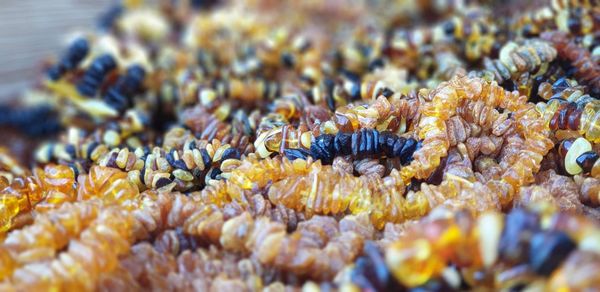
[{"x": 586, "y": 160}]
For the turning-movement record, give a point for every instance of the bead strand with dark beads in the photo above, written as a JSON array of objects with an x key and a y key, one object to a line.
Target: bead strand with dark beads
[
  {"x": 74, "y": 55},
  {"x": 120, "y": 94},
  {"x": 95, "y": 74},
  {"x": 583, "y": 156},
  {"x": 362, "y": 144}
]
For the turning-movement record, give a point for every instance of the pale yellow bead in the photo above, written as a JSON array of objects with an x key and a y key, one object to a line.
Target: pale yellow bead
[
  {"x": 490, "y": 228},
  {"x": 579, "y": 146}
]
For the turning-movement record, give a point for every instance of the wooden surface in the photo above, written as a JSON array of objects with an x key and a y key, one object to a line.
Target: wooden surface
[{"x": 31, "y": 30}]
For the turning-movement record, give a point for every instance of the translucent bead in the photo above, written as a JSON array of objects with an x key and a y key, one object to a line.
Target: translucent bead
[
  {"x": 579, "y": 146},
  {"x": 413, "y": 262},
  {"x": 9, "y": 208},
  {"x": 592, "y": 133}
]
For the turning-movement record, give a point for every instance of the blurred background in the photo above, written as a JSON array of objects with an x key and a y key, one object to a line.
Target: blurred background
[{"x": 31, "y": 30}]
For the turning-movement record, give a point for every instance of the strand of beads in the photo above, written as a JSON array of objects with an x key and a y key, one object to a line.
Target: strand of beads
[
  {"x": 526, "y": 248},
  {"x": 515, "y": 60},
  {"x": 444, "y": 102},
  {"x": 53, "y": 184},
  {"x": 587, "y": 72},
  {"x": 238, "y": 148},
  {"x": 106, "y": 238},
  {"x": 366, "y": 143}
]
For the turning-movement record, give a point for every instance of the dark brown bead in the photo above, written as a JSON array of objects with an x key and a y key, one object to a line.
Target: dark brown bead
[
  {"x": 563, "y": 120},
  {"x": 112, "y": 160},
  {"x": 586, "y": 160},
  {"x": 574, "y": 119},
  {"x": 554, "y": 121},
  {"x": 564, "y": 147}
]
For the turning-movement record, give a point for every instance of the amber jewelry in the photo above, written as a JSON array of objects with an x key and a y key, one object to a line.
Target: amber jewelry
[
  {"x": 442, "y": 106},
  {"x": 70, "y": 60},
  {"x": 587, "y": 71},
  {"x": 518, "y": 238},
  {"x": 77, "y": 144},
  {"x": 55, "y": 183},
  {"x": 515, "y": 60},
  {"x": 356, "y": 145},
  {"x": 93, "y": 238}
]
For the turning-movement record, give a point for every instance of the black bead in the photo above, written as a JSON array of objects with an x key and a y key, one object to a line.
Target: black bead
[
  {"x": 560, "y": 85},
  {"x": 449, "y": 27},
  {"x": 343, "y": 143},
  {"x": 371, "y": 273},
  {"x": 322, "y": 148},
  {"x": 171, "y": 157},
  {"x": 146, "y": 150},
  {"x": 380, "y": 270},
  {"x": 369, "y": 149},
  {"x": 330, "y": 102},
  {"x": 375, "y": 142},
  {"x": 112, "y": 160},
  {"x": 215, "y": 173},
  {"x": 192, "y": 145},
  {"x": 574, "y": 24},
  {"x": 398, "y": 145},
  {"x": 74, "y": 55},
  {"x": 196, "y": 172},
  {"x": 119, "y": 95},
  {"x": 548, "y": 250},
  {"x": 116, "y": 100},
  {"x": 355, "y": 143},
  {"x": 407, "y": 151},
  {"x": 586, "y": 160},
  {"x": 202, "y": 4},
  {"x": 77, "y": 52},
  {"x": 387, "y": 92},
  {"x": 231, "y": 153},
  {"x": 293, "y": 154},
  {"x": 95, "y": 74},
  {"x": 206, "y": 159},
  {"x": 519, "y": 226},
  {"x": 163, "y": 181},
  {"x": 108, "y": 18},
  {"x": 179, "y": 164},
  {"x": 70, "y": 148},
  {"x": 386, "y": 143},
  {"x": 288, "y": 60},
  {"x": 91, "y": 148},
  {"x": 509, "y": 85},
  {"x": 362, "y": 149}
]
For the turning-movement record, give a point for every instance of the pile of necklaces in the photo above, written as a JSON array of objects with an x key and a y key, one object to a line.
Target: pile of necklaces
[{"x": 338, "y": 145}]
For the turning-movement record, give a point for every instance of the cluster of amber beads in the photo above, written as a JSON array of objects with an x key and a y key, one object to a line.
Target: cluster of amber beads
[
  {"x": 587, "y": 71},
  {"x": 532, "y": 248},
  {"x": 53, "y": 185},
  {"x": 517, "y": 59},
  {"x": 442, "y": 105},
  {"x": 353, "y": 145}
]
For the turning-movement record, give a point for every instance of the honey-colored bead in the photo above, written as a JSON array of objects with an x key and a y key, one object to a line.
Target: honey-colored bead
[{"x": 413, "y": 263}]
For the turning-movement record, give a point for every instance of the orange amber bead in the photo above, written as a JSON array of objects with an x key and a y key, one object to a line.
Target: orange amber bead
[{"x": 109, "y": 184}]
